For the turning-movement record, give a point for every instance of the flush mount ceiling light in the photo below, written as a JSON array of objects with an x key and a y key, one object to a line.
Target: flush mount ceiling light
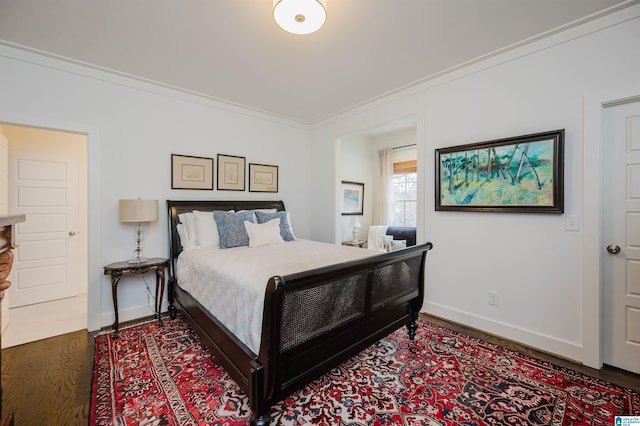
[{"x": 300, "y": 16}]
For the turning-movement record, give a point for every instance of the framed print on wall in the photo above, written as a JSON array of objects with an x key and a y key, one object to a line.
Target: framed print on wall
[
  {"x": 523, "y": 174},
  {"x": 231, "y": 172},
  {"x": 263, "y": 178},
  {"x": 189, "y": 172},
  {"x": 352, "y": 198}
]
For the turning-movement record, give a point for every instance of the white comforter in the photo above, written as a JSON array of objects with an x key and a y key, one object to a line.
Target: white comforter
[{"x": 231, "y": 283}]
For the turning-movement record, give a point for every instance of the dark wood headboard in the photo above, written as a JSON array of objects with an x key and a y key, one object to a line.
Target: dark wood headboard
[{"x": 177, "y": 207}]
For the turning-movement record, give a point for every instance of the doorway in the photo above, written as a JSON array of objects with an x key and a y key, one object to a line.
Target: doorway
[
  {"x": 48, "y": 183},
  {"x": 357, "y": 162}
]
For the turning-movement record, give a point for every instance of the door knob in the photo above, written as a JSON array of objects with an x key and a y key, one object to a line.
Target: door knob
[
  {"x": 72, "y": 233},
  {"x": 613, "y": 248}
]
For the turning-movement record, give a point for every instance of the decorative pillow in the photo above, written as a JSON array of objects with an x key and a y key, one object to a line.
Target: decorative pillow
[
  {"x": 290, "y": 225},
  {"x": 264, "y": 234},
  {"x": 231, "y": 228},
  {"x": 257, "y": 210},
  {"x": 206, "y": 229},
  {"x": 189, "y": 241},
  {"x": 285, "y": 229}
]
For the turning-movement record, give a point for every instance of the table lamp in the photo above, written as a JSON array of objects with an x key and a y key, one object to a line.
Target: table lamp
[
  {"x": 138, "y": 211},
  {"x": 355, "y": 224}
]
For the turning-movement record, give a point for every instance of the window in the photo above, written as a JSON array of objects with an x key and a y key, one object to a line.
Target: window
[{"x": 405, "y": 193}]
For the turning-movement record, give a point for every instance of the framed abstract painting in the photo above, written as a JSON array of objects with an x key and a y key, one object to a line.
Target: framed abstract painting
[{"x": 523, "y": 174}]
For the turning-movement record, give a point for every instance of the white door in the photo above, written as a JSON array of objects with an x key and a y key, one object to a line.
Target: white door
[
  {"x": 44, "y": 187},
  {"x": 621, "y": 233},
  {"x": 4, "y": 209},
  {"x": 4, "y": 174}
]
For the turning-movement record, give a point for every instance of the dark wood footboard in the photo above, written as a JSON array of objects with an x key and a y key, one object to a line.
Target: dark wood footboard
[
  {"x": 312, "y": 321},
  {"x": 315, "y": 320}
]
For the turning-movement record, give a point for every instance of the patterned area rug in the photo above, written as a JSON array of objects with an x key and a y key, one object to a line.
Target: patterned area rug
[{"x": 164, "y": 376}]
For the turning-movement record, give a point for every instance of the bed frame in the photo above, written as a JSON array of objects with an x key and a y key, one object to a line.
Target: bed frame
[{"x": 312, "y": 321}]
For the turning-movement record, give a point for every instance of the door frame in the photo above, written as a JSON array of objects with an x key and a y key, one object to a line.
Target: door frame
[
  {"x": 592, "y": 219},
  {"x": 94, "y": 255}
]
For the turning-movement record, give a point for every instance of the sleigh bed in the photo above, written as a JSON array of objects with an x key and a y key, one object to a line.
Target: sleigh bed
[{"x": 311, "y": 321}]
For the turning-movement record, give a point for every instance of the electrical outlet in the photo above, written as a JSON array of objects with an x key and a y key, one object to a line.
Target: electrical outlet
[
  {"x": 572, "y": 223},
  {"x": 494, "y": 298}
]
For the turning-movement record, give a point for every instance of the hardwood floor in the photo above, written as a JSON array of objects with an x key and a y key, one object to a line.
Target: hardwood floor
[{"x": 48, "y": 382}]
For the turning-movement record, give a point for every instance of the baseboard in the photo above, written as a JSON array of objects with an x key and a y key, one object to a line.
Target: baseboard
[
  {"x": 500, "y": 330},
  {"x": 127, "y": 315}
]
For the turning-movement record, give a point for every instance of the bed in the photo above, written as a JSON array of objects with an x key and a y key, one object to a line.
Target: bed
[{"x": 303, "y": 332}]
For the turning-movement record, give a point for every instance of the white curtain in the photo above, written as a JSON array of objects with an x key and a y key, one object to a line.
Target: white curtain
[{"x": 382, "y": 213}]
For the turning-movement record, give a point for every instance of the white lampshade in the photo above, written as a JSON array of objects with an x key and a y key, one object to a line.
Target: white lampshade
[
  {"x": 138, "y": 210},
  {"x": 355, "y": 223},
  {"x": 300, "y": 16}
]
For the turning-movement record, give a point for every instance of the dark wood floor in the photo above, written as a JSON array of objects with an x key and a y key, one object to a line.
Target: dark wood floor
[{"x": 49, "y": 382}]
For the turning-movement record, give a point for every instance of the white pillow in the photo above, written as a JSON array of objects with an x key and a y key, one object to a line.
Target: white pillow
[
  {"x": 189, "y": 241},
  {"x": 182, "y": 236},
  {"x": 290, "y": 226},
  {"x": 263, "y": 234},
  {"x": 206, "y": 230}
]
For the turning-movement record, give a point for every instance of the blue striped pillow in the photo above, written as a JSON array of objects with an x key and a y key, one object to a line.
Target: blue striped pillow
[{"x": 231, "y": 228}]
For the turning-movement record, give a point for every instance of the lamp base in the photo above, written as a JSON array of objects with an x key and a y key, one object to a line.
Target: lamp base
[{"x": 138, "y": 258}]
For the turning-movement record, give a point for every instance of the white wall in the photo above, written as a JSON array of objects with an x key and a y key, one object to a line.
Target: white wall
[
  {"x": 358, "y": 165},
  {"x": 397, "y": 139},
  {"x": 531, "y": 260},
  {"x": 133, "y": 128}
]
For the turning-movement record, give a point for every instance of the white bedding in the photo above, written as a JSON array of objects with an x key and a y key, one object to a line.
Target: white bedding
[{"x": 231, "y": 283}]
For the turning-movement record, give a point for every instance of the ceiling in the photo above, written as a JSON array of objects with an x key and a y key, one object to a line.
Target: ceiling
[{"x": 232, "y": 50}]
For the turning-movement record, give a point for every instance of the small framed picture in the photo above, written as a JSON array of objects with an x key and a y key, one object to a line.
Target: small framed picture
[
  {"x": 189, "y": 172},
  {"x": 231, "y": 170},
  {"x": 352, "y": 198},
  {"x": 263, "y": 178}
]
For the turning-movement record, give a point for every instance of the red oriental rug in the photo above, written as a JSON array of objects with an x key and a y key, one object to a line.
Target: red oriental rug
[{"x": 155, "y": 375}]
